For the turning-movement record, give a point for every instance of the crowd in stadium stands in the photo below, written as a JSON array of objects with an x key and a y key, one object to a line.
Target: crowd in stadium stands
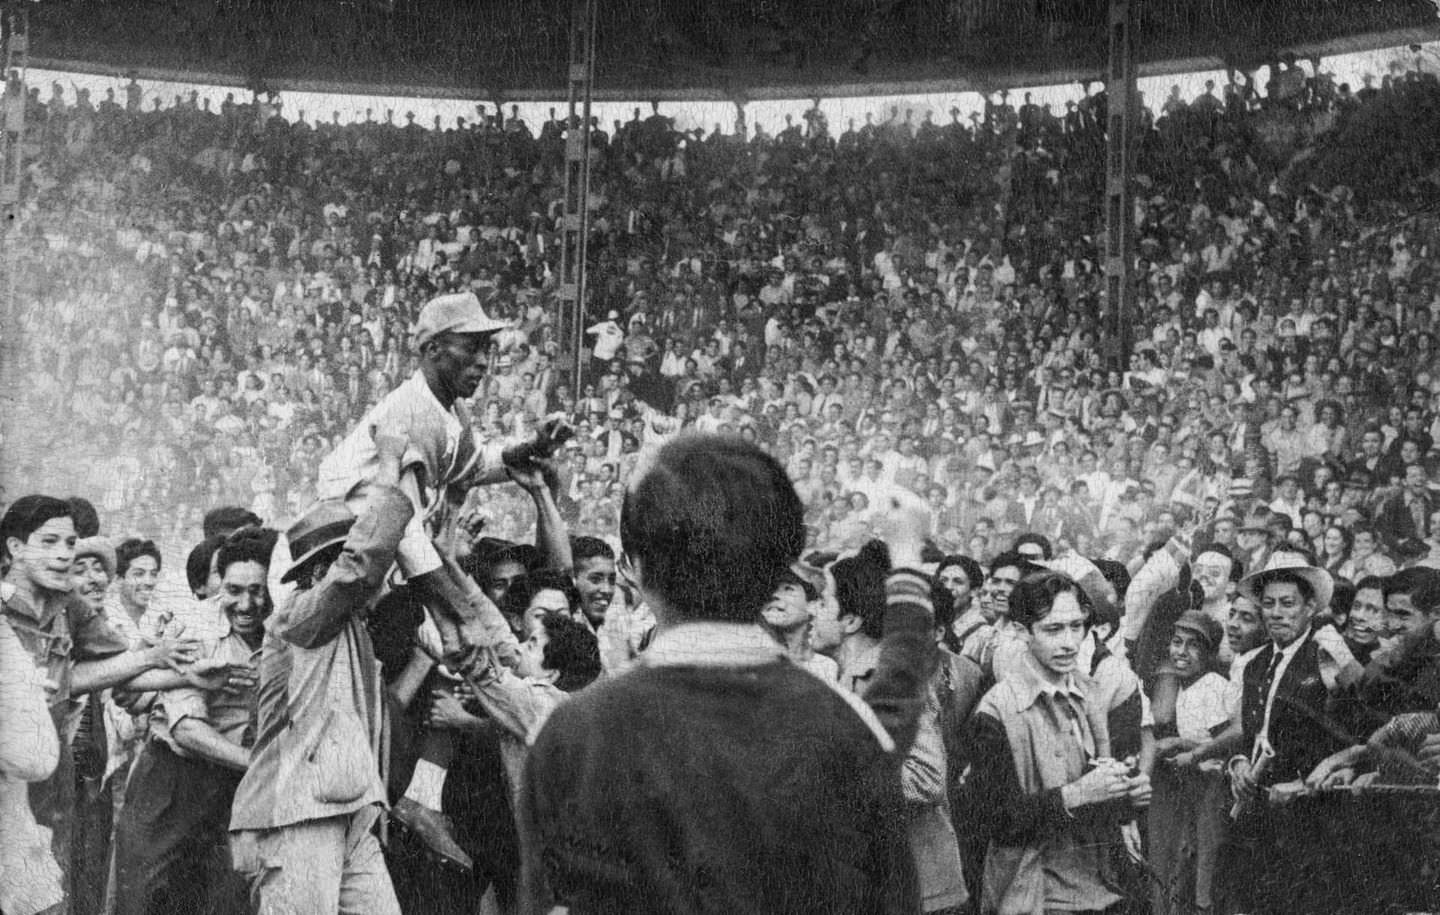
[{"x": 209, "y": 301}]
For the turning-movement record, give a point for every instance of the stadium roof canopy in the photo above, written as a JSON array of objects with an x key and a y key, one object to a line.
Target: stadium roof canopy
[{"x": 689, "y": 49}]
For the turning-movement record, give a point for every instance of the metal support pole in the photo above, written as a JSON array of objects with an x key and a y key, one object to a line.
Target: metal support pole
[
  {"x": 575, "y": 230},
  {"x": 1122, "y": 119}
]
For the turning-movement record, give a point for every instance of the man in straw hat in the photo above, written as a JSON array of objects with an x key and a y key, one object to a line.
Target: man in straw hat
[
  {"x": 305, "y": 815},
  {"x": 1286, "y": 703},
  {"x": 445, "y": 458}
]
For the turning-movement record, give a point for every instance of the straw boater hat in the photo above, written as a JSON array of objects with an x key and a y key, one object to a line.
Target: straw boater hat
[{"x": 1289, "y": 565}]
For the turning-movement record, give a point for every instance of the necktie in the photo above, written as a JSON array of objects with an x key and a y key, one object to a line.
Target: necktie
[
  {"x": 1265, "y": 687},
  {"x": 1270, "y": 671}
]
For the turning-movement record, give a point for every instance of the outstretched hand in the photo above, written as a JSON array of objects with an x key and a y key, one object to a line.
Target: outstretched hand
[
  {"x": 537, "y": 475},
  {"x": 219, "y": 674}
]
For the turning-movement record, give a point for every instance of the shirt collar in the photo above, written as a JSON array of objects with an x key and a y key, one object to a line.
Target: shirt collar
[
  {"x": 1032, "y": 683},
  {"x": 712, "y": 644},
  {"x": 422, "y": 388},
  {"x": 1294, "y": 647}
]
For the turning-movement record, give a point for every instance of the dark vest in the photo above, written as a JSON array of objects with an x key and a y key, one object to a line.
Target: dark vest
[{"x": 1297, "y": 722}]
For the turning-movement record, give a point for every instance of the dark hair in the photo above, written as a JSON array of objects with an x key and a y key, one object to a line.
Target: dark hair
[
  {"x": 490, "y": 552},
  {"x": 573, "y": 650},
  {"x": 586, "y": 547},
  {"x": 860, "y": 586},
  {"x": 518, "y": 597},
  {"x": 1040, "y": 540},
  {"x": 712, "y": 524},
  {"x": 1419, "y": 584},
  {"x": 227, "y": 519},
  {"x": 86, "y": 518},
  {"x": 1364, "y": 528},
  {"x": 197, "y": 564},
  {"x": 250, "y": 545},
  {"x": 973, "y": 573},
  {"x": 1034, "y": 597},
  {"x": 1013, "y": 560},
  {"x": 1117, "y": 574},
  {"x": 1307, "y": 592},
  {"x": 1370, "y": 583},
  {"x": 132, "y": 549},
  {"x": 28, "y": 514}
]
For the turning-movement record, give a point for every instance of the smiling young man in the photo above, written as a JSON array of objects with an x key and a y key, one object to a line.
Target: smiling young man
[
  {"x": 594, "y": 577},
  {"x": 1404, "y": 672},
  {"x": 70, "y": 643},
  {"x": 1043, "y": 778},
  {"x": 128, "y": 606},
  {"x": 174, "y": 826},
  {"x": 1365, "y": 624}
]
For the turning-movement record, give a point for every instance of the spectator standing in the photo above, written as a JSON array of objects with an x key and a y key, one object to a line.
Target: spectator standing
[
  {"x": 1285, "y": 720},
  {"x": 711, "y": 526},
  {"x": 171, "y": 835},
  {"x": 305, "y": 817},
  {"x": 30, "y": 878},
  {"x": 1044, "y": 782}
]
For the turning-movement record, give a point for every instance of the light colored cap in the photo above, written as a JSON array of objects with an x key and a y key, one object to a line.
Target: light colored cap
[{"x": 458, "y": 313}]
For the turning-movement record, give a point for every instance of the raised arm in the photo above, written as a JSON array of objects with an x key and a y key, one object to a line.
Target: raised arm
[
  {"x": 552, "y": 537},
  {"x": 317, "y": 614},
  {"x": 1160, "y": 573},
  {"x": 908, "y": 653}
]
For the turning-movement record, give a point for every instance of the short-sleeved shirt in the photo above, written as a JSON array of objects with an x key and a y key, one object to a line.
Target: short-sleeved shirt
[
  {"x": 1202, "y": 706},
  {"x": 230, "y": 713},
  {"x": 442, "y": 441}
]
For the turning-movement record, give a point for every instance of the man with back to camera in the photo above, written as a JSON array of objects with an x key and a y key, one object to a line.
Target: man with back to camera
[{"x": 747, "y": 784}]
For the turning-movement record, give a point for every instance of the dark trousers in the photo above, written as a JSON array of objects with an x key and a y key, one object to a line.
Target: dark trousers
[
  {"x": 171, "y": 850},
  {"x": 94, "y": 822}
]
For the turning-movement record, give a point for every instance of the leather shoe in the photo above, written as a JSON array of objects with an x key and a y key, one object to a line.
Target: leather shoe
[{"x": 433, "y": 828}]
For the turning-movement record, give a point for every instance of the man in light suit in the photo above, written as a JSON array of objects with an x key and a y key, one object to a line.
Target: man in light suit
[{"x": 303, "y": 825}]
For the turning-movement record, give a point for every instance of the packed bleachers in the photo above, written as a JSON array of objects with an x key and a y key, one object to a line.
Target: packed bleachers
[
  {"x": 209, "y": 301},
  {"x": 209, "y": 298}
]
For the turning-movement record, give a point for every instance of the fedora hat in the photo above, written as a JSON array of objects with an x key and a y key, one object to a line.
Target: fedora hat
[
  {"x": 1285, "y": 564},
  {"x": 1256, "y": 521},
  {"x": 325, "y": 524}
]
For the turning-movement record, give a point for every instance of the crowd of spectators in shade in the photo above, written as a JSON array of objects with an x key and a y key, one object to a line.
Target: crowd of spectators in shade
[{"x": 209, "y": 301}]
